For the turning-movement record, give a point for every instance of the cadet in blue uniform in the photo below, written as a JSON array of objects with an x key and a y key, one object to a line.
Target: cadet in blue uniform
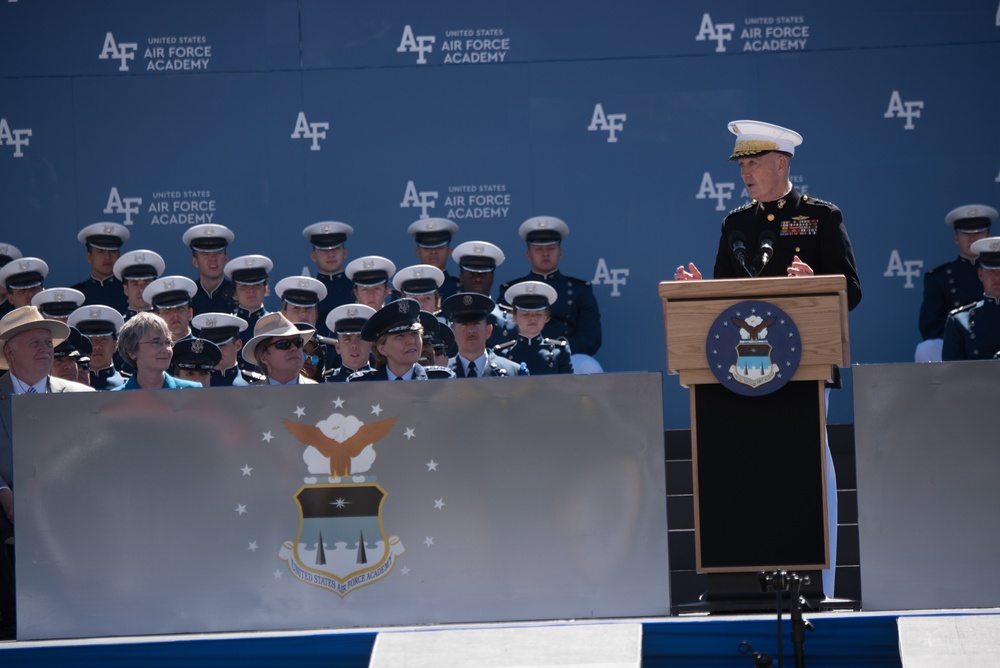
[
  {"x": 468, "y": 312},
  {"x": 477, "y": 262},
  {"x": 576, "y": 316},
  {"x": 249, "y": 276},
  {"x": 346, "y": 322},
  {"x": 973, "y": 332},
  {"x": 23, "y": 279},
  {"x": 531, "y": 302},
  {"x": 104, "y": 242},
  {"x": 209, "y": 244},
  {"x": 329, "y": 252},
  {"x": 395, "y": 334},
  {"x": 370, "y": 276},
  {"x": 8, "y": 252},
  {"x": 194, "y": 359},
  {"x": 136, "y": 270},
  {"x": 782, "y": 232},
  {"x": 421, "y": 282},
  {"x": 58, "y": 303},
  {"x": 171, "y": 298},
  {"x": 223, "y": 329},
  {"x": 433, "y": 237},
  {"x": 953, "y": 284},
  {"x": 100, "y": 324}
]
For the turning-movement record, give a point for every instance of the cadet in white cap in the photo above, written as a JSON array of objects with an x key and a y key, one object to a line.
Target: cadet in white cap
[
  {"x": 575, "y": 314},
  {"x": 171, "y": 298},
  {"x": 779, "y": 232},
  {"x": 58, "y": 303},
  {"x": 300, "y": 298},
  {"x": 477, "y": 263},
  {"x": 370, "y": 275},
  {"x": 209, "y": 244},
  {"x": 23, "y": 278},
  {"x": 421, "y": 282},
  {"x": 329, "y": 251},
  {"x": 953, "y": 284},
  {"x": 100, "y": 324},
  {"x": 8, "y": 252},
  {"x": 433, "y": 237},
  {"x": 136, "y": 270},
  {"x": 973, "y": 331},
  {"x": 531, "y": 301},
  {"x": 249, "y": 276},
  {"x": 223, "y": 329},
  {"x": 103, "y": 242},
  {"x": 346, "y": 322}
]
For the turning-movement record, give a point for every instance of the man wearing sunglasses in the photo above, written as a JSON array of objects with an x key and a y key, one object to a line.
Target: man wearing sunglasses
[{"x": 276, "y": 347}]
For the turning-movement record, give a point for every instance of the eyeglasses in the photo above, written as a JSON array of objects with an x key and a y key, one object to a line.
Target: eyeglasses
[
  {"x": 311, "y": 359},
  {"x": 285, "y": 344},
  {"x": 159, "y": 343}
]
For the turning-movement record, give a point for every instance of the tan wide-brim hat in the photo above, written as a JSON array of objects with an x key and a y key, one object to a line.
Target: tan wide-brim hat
[
  {"x": 272, "y": 324},
  {"x": 26, "y": 318}
]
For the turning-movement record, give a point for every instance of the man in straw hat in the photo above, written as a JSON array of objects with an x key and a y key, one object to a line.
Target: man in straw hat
[
  {"x": 27, "y": 341},
  {"x": 276, "y": 347}
]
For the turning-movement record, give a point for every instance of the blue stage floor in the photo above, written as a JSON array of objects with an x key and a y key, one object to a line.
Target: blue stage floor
[{"x": 840, "y": 639}]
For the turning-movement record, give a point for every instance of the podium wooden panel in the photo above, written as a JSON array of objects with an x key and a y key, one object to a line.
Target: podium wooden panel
[{"x": 759, "y": 461}]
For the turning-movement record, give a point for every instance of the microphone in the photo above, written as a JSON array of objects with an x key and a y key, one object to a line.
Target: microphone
[
  {"x": 738, "y": 247},
  {"x": 766, "y": 250}
]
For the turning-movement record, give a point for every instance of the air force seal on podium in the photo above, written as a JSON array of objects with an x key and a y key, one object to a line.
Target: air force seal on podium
[
  {"x": 341, "y": 544},
  {"x": 753, "y": 348}
]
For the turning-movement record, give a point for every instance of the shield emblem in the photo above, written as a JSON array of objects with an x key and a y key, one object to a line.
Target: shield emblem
[{"x": 753, "y": 365}]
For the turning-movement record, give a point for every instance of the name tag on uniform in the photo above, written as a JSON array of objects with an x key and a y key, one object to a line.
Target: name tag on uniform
[{"x": 799, "y": 225}]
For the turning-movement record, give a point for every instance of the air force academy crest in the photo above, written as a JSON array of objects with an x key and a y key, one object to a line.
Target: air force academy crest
[
  {"x": 753, "y": 348},
  {"x": 341, "y": 544}
]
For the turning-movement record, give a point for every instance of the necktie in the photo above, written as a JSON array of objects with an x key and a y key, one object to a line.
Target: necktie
[
  {"x": 399, "y": 378},
  {"x": 31, "y": 390},
  {"x": 472, "y": 370}
]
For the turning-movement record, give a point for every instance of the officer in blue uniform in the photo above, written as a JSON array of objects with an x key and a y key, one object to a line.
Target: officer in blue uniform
[
  {"x": 973, "y": 332},
  {"x": 223, "y": 329},
  {"x": 249, "y": 276},
  {"x": 468, "y": 314},
  {"x": 8, "y": 252},
  {"x": 329, "y": 252},
  {"x": 136, "y": 270},
  {"x": 100, "y": 324},
  {"x": 58, "y": 303},
  {"x": 104, "y": 242},
  {"x": 395, "y": 334},
  {"x": 531, "y": 301},
  {"x": 195, "y": 359},
  {"x": 576, "y": 317},
  {"x": 354, "y": 353},
  {"x": 433, "y": 237},
  {"x": 209, "y": 244},
  {"x": 953, "y": 284}
]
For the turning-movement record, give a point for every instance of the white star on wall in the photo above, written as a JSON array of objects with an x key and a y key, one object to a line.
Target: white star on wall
[
  {"x": 409, "y": 433},
  {"x": 439, "y": 503},
  {"x": 252, "y": 546},
  {"x": 246, "y": 469},
  {"x": 432, "y": 465},
  {"x": 299, "y": 411},
  {"x": 241, "y": 509},
  {"x": 277, "y": 574},
  {"x": 338, "y": 403},
  {"x": 377, "y": 409},
  {"x": 405, "y": 570},
  {"x": 428, "y": 541},
  {"x": 267, "y": 437}
]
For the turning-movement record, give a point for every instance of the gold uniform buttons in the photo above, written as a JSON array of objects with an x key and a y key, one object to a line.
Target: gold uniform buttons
[{"x": 770, "y": 217}]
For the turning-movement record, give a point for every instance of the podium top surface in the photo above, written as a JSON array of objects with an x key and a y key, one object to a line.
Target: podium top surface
[{"x": 748, "y": 288}]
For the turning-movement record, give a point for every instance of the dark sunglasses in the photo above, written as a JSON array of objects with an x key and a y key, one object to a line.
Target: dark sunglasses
[
  {"x": 285, "y": 344},
  {"x": 311, "y": 359}
]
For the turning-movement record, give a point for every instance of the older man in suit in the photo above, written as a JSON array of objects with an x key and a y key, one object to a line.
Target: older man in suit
[{"x": 27, "y": 340}]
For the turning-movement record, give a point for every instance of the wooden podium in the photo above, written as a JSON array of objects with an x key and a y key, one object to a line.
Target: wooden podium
[{"x": 759, "y": 462}]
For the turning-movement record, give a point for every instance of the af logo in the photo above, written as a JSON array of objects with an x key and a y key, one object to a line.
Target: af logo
[
  {"x": 421, "y": 44},
  {"x": 341, "y": 544},
  {"x": 423, "y": 200},
  {"x": 122, "y": 52},
  {"x": 610, "y": 123},
  {"x": 306, "y": 130},
  {"x": 753, "y": 348},
  {"x": 908, "y": 269},
  {"x": 899, "y": 109},
  {"x": 720, "y": 32},
  {"x": 612, "y": 277},
  {"x": 122, "y": 205},
  {"x": 720, "y": 192},
  {"x": 18, "y": 138}
]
